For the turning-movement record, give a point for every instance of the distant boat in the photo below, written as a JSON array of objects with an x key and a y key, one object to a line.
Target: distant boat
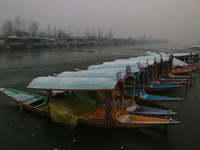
[
  {"x": 37, "y": 42},
  {"x": 15, "y": 42},
  {"x": 195, "y": 47}
]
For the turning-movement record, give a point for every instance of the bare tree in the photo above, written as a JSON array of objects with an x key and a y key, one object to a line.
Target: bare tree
[
  {"x": 61, "y": 33},
  {"x": 33, "y": 28},
  {"x": 55, "y": 32},
  {"x": 7, "y": 28},
  {"x": 87, "y": 33},
  {"x": 70, "y": 33},
  {"x": 93, "y": 34},
  {"x": 110, "y": 34},
  {"x": 23, "y": 26},
  {"x": 18, "y": 24},
  {"x": 100, "y": 33},
  {"x": 49, "y": 30},
  {"x": 77, "y": 33}
]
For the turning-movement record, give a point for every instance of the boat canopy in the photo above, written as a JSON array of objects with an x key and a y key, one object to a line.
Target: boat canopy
[
  {"x": 135, "y": 60},
  {"x": 143, "y": 59},
  {"x": 73, "y": 83},
  {"x": 176, "y": 62},
  {"x": 121, "y": 64},
  {"x": 129, "y": 61},
  {"x": 181, "y": 54},
  {"x": 108, "y": 73},
  {"x": 151, "y": 55},
  {"x": 95, "y": 80}
]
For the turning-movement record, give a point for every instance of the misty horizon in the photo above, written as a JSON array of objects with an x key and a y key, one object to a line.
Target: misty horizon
[{"x": 166, "y": 20}]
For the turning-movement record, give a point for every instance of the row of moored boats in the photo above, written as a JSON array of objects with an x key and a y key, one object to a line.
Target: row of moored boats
[{"x": 109, "y": 94}]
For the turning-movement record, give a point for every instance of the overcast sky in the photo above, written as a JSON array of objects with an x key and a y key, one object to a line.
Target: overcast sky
[{"x": 177, "y": 20}]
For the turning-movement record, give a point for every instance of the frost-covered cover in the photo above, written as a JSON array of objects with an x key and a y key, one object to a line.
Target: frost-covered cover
[
  {"x": 73, "y": 83},
  {"x": 108, "y": 73},
  {"x": 176, "y": 62},
  {"x": 120, "y": 64},
  {"x": 181, "y": 54}
]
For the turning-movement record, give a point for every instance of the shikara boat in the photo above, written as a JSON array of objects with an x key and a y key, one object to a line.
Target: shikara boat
[
  {"x": 170, "y": 68},
  {"x": 130, "y": 86},
  {"x": 64, "y": 108},
  {"x": 149, "y": 80},
  {"x": 133, "y": 63},
  {"x": 191, "y": 60},
  {"x": 195, "y": 47}
]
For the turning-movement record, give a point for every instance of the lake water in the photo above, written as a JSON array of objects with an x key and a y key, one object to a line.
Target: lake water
[{"x": 30, "y": 131}]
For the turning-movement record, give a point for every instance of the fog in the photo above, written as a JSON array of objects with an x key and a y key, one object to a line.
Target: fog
[{"x": 173, "y": 20}]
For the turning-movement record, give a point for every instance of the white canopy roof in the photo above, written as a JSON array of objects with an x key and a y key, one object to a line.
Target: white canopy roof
[
  {"x": 181, "y": 54},
  {"x": 121, "y": 64},
  {"x": 103, "y": 79},
  {"x": 73, "y": 83},
  {"x": 98, "y": 73},
  {"x": 176, "y": 62}
]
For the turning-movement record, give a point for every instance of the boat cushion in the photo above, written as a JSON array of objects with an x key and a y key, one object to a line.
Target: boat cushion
[
  {"x": 124, "y": 118},
  {"x": 131, "y": 108}
]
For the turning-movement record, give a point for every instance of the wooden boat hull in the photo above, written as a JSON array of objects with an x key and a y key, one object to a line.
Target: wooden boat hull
[
  {"x": 171, "y": 79},
  {"x": 170, "y": 75},
  {"x": 36, "y": 109},
  {"x": 158, "y": 87},
  {"x": 95, "y": 118},
  {"x": 165, "y": 82},
  {"x": 150, "y": 98},
  {"x": 117, "y": 124},
  {"x": 181, "y": 71}
]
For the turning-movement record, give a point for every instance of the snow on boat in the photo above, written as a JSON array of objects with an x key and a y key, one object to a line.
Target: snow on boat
[{"x": 63, "y": 108}]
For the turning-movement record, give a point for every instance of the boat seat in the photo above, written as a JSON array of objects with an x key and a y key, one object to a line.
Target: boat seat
[
  {"x": 131, "y": 108},
  {"x": 28, "y": 99},
  {"x": 124, "y": 118}
]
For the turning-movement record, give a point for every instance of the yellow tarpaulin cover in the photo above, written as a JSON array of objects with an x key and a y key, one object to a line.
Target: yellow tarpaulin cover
[{"x": 66, "y": 109}]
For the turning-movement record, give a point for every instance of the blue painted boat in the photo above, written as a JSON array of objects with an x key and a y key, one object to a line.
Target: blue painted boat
[
  {"x": 143, "y": 96},
  {"x": 171, "y": 79},
  {"x": 157, "y": 87}
]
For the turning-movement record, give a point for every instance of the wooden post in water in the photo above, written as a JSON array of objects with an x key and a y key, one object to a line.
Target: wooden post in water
[
  {"x": 184, "y": 60},
  {"x": 20, "y": 107},
  {"x": 108, "y": 110},
  {"x": 161, "y": 65},
  {"x": 143, "y": 81},
  {"x": 147, "y": 73},
  {"x": 156, "y": 71},
  {"x": 186, "y": 86}
]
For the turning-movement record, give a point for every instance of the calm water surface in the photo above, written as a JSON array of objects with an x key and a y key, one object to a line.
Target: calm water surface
[{"x": 30, "y": 131}]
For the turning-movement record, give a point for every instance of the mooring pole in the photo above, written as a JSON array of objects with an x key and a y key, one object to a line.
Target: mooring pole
[
  {"x": 20, "y": 107},
  {"x": 190, "y": 81},
  {"x": 186, "y": 86}
]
